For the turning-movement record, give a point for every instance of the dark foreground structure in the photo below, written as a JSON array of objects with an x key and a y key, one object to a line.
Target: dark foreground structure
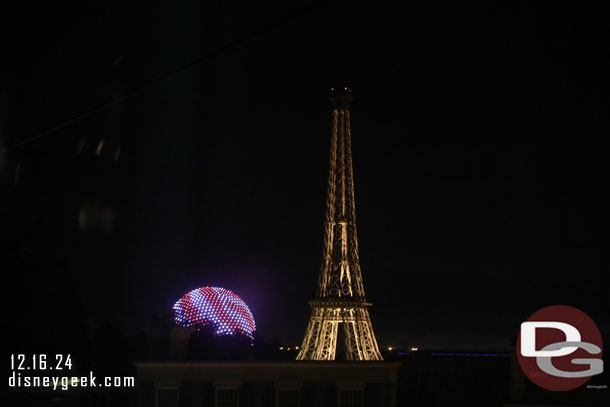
[
  {"x": 422, "y": 378},
  {"x": 267, "y": 383}
]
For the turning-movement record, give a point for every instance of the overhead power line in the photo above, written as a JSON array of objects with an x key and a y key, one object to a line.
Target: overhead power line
[{"x": 167, "y": 76}]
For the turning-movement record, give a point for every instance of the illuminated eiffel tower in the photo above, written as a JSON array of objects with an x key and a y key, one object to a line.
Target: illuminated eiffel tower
[{"x": 340, "y": 302}]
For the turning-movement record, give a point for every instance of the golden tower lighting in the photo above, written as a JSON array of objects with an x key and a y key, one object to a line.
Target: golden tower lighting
[{"x": 340, "y": 302}]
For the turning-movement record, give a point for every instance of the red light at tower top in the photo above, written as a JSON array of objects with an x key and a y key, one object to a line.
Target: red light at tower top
[{"x": 217, "y": 307}]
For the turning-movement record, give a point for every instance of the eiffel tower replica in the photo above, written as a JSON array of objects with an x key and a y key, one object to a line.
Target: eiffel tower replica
[{"x": 340, "y": 302}]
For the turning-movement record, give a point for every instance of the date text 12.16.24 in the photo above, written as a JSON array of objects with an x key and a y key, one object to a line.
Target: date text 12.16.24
[{"x": 41, "y": 362}]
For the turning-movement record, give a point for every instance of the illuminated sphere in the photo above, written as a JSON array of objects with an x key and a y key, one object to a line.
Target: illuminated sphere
[{"x": 225, "y": 312}]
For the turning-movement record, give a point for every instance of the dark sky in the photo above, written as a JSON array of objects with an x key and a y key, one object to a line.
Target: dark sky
[{"x": 479, "y": 172}]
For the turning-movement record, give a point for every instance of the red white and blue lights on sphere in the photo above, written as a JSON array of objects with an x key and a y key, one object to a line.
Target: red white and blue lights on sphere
[{"x": 224, "y": 311}]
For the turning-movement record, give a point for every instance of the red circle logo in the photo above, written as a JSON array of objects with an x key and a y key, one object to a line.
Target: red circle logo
[{"x": 559, "y": 348}]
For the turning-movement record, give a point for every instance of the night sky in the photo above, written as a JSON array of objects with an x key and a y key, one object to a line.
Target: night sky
[{"x": 480, "y": 178}]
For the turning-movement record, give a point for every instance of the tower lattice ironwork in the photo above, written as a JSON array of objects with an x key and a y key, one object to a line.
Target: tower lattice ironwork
[{"x": 340, "y": 302}]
